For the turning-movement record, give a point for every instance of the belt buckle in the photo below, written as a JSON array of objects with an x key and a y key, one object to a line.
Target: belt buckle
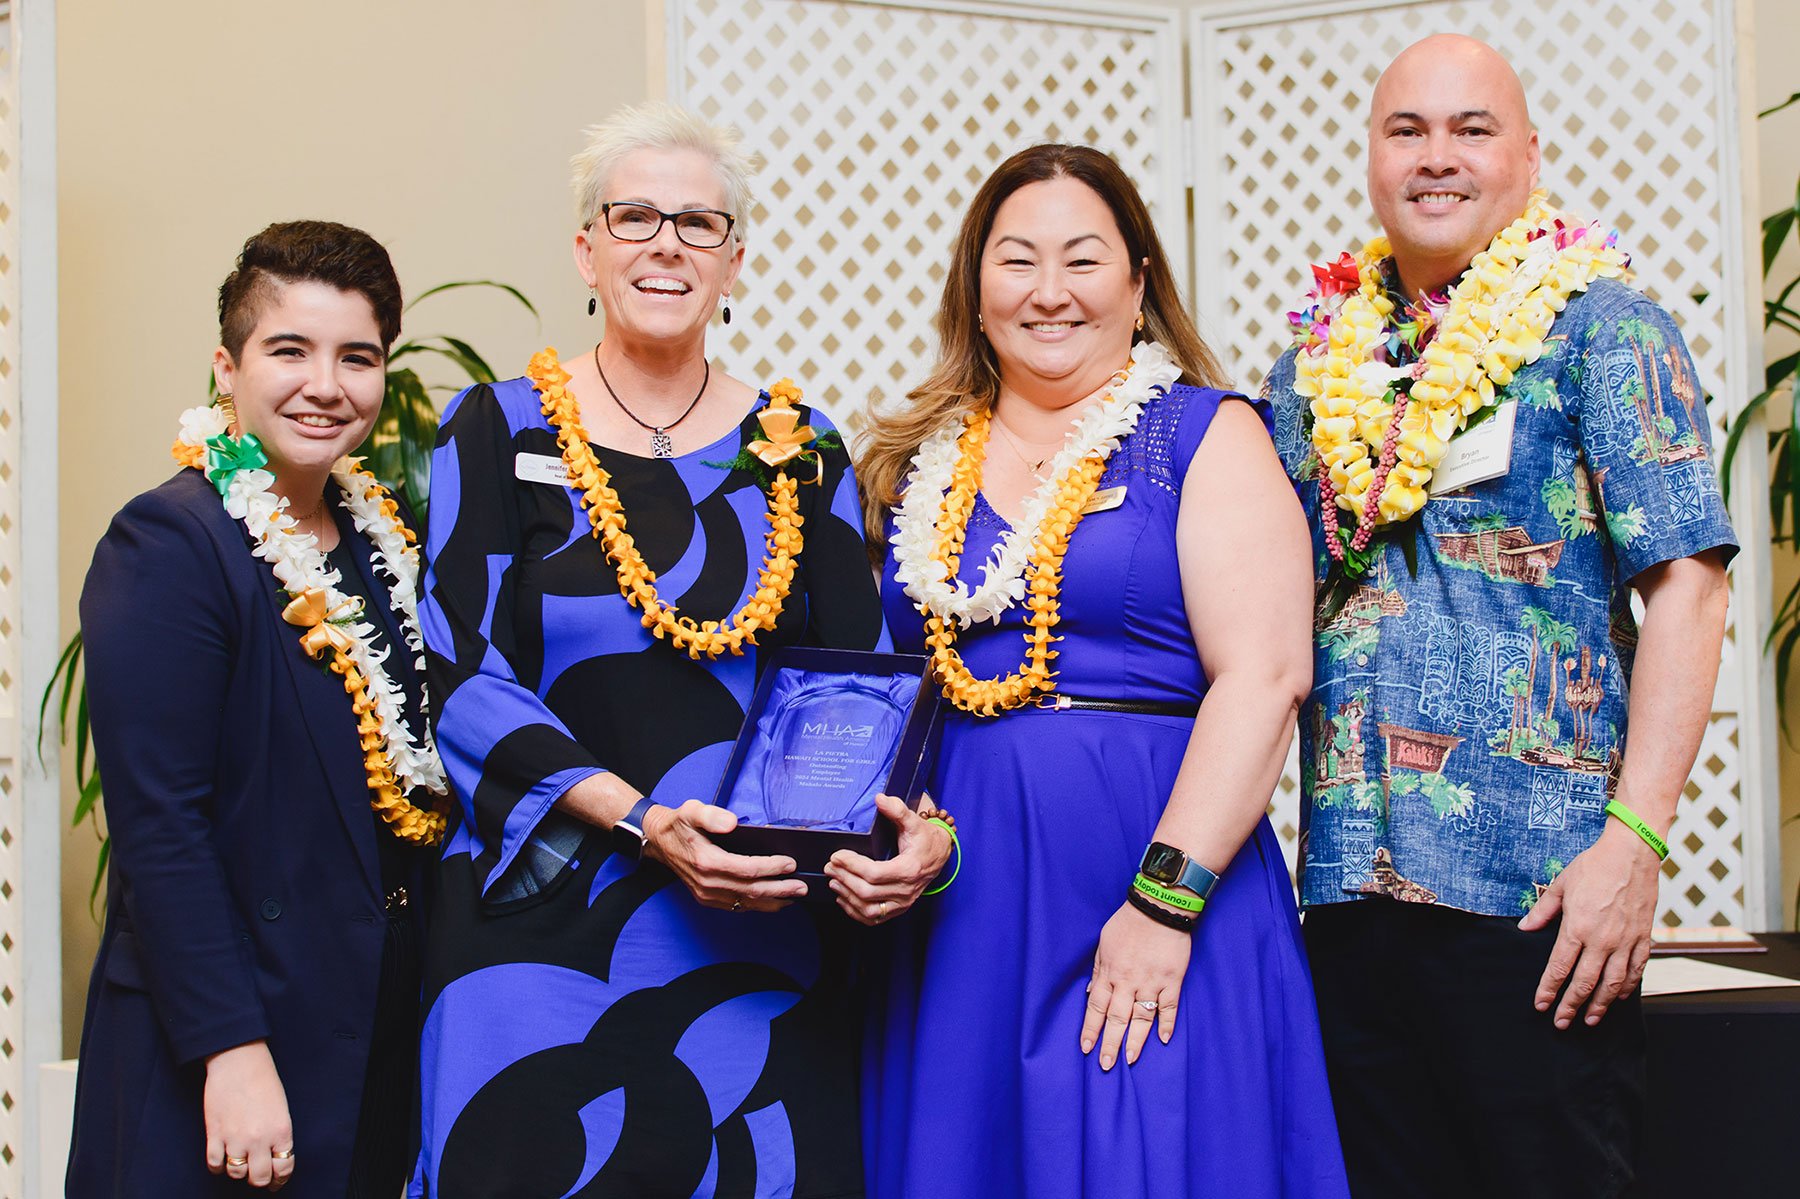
[{"x": 1052, "y": 702}]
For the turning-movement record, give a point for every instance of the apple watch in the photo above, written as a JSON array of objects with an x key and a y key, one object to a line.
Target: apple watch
[
  {"x": 1172, "y": 868},
  {"x": 628, "y": 830}
]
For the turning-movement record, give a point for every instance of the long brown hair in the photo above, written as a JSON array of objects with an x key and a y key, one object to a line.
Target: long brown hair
[{"x": 967, "y": 375}]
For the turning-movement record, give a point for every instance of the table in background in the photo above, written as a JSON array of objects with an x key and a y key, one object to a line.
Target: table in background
[{"x": 1725, "y": 1085}]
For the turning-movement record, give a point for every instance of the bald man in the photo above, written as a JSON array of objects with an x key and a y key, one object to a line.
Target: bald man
[{"x": 1483, "y": 841}]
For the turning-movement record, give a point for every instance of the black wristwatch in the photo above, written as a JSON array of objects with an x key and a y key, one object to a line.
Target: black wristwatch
[
  {"x": 628, "y": 830},
  {"x": 1172, "y": 868}
]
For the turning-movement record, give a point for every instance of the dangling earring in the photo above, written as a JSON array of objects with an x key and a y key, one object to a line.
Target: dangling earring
[
  {"x": 1140, "y": 320},
  {"x": 725, "y": 304},
  {"x": 980, "y": 325},
  {"x": 593, "y": 301},
  {"x": 229, "y": 408}
]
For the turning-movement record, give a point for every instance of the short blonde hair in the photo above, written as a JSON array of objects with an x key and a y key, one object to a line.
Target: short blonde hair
[{"x": 659, "y": 126}]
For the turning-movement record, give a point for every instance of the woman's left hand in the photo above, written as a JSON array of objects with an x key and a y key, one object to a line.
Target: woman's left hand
[
  {"x": 1139, "y": 963},
  {"x": 872, "y": 892}
]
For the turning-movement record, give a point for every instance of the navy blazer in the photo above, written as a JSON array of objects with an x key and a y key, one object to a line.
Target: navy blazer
[{"x": 244, "y": 896}]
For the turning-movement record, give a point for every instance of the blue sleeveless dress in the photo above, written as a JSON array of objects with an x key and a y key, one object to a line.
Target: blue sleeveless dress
[{"x": 975, "y": 1084}]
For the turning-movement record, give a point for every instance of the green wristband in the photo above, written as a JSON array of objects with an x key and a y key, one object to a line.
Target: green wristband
[
  {"x": 1635, "y": 823},
  {"x": 1175, "y": 899},
  {"x": 954, "y": 844}
]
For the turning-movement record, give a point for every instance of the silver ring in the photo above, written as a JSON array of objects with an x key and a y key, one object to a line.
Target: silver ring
[{"x": 1149, "y": 1005}]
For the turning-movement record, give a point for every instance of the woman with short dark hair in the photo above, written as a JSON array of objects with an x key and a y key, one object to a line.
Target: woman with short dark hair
[{"x": 256, "y": 689}]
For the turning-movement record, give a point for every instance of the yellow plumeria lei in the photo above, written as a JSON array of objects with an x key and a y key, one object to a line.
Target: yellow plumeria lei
[
  {"x": 1381, "y": 430},
  {"x": 395, "y": 761},
  {"x": 606, "y": 518},
  {"x": 990, "y": 697},
  {"x": 932, "y": 521}
]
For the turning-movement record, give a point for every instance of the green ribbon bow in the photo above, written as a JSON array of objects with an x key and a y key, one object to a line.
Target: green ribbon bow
[{"x": 227, "y": 455}]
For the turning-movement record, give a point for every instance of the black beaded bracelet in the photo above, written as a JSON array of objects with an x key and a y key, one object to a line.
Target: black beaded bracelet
[{"x": 1162, "y": 916}]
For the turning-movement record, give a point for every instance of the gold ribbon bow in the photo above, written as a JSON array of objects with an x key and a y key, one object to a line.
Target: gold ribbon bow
[
  {"x": 309, "y": 611},
  {"x": 784, "y": 438}
]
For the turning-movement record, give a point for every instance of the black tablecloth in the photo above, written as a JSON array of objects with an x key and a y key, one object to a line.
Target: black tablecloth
[{"x": 1725, "y": 1085}]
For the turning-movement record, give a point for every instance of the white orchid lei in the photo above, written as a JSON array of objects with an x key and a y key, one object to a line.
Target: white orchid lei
[
  {"x": 919, "y": 567},
  {"x": 396, "y": 761}
]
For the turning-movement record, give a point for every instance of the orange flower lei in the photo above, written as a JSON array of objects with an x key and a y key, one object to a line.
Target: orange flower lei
[
  {"x": 300, "y": 567},
  {"x": 990, "y": 697},
  {"x": 637, "y": 582}
]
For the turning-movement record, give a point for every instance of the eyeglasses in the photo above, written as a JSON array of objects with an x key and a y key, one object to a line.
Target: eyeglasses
[{"x": 701, "y": 228}]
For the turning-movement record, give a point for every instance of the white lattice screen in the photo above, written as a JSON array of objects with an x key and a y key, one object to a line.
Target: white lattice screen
[
  {"x": 876, "y": 122},
  {"x": 13, "y": 1063},
  {"x": 1636, "y": 130}
]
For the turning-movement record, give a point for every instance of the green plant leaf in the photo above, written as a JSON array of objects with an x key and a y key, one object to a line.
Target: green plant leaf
[
  {"x": 63, "y": 675},
  {"x": 459, "y": 352},
  {"x": 1790, "y": 482},
  {"x": 1775, "y": 230},
  {"x": 1734, "y": 434},
  {"x": 99, "y": 873},
  {"x": 1784, "y": 660},
  {"x": 85, "y": 800},
  {"x": 508, "y": 288},
  {"x": 1795, "y": 98},
  {"x": 398, "y": 448},
  {"x": 82, "y": 774}
]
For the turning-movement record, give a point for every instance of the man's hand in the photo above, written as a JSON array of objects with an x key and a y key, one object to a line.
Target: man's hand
[{"x": 1607, "y": 900}]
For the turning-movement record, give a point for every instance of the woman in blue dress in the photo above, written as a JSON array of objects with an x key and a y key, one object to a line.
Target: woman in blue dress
[
  {"x": 614, "y": 1005},
  {"x": 1101, "y": 552}
]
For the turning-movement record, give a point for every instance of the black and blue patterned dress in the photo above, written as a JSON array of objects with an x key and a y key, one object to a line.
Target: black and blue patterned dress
[{"x": 589, "y": 1029}]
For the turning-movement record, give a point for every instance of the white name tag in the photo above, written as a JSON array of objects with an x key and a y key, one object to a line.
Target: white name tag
[
  {"x": 1479, "y": 454},
  {"x": 1105, "y": 501},
  {"x": 541, "y": 468}
]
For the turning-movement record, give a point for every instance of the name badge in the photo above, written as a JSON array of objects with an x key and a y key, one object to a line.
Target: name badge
[
  {"x": 541, "y": 468},
  {"x": 1105, "y": 500},
  {"x": 1479, "y": 454}
]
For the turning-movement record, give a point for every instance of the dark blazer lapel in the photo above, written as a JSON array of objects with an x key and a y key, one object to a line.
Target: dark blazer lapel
[{"x": 331, "y": 726}]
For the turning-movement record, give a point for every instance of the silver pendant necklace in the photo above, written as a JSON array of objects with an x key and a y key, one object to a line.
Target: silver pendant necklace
[{"x": 661, "y": 444}]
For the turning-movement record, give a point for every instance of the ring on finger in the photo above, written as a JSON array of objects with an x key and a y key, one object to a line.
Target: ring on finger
[
  {"x": 737, "y": 905},
  {"x": 236, "y": 1161},
  {"x": 283, "y": 1155},
  {"x": 881, "y": 913}
]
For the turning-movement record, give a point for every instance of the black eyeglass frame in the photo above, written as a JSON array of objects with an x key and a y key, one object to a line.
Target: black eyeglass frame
[{"x": 664, "y": 218}]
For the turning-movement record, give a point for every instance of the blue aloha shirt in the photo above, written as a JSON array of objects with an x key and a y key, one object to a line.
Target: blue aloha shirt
[{"x": 1466, "y": 724}]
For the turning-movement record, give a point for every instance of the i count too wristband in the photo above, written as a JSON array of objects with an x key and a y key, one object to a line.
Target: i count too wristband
[
  {"x": 1175, "y": 899},
  {"x": 1635, "y": 823}
]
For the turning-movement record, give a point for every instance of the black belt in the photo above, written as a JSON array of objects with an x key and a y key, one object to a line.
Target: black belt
[{"x": 1058, "y": 701}]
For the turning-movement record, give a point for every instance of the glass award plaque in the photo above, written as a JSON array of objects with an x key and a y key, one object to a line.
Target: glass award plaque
[
  {"x": 826, "y": 732},
  {"x": 824, "y": 746}
]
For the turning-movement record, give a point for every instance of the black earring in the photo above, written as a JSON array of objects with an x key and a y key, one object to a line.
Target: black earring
[
  {"x": 727, "y": 313},
  {"x": 593, "y": 302}
]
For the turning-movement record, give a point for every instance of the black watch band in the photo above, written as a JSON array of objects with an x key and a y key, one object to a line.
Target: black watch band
[
  {"x": 1162, "y": 916},
  {"x": 628, "y": 830}
]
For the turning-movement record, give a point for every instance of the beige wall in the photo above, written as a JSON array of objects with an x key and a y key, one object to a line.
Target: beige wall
[
  {"x": 442, "y": 127},
  {"x": 1777, "y": 78}
]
